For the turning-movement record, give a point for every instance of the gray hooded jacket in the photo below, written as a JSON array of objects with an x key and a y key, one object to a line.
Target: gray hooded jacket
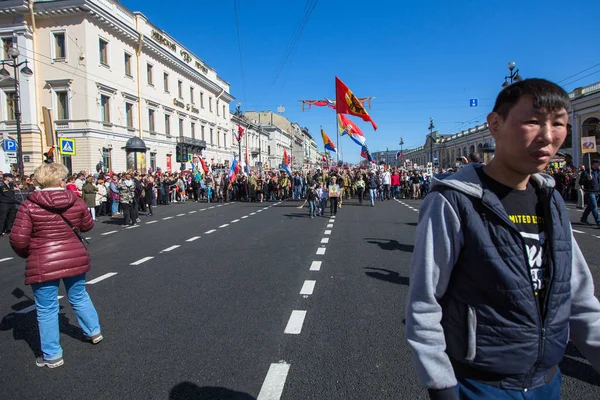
[{"x": 471, "y": 311}]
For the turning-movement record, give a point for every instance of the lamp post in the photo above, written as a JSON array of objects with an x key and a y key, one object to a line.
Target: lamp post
[
  {"x": 238, "y": 112},
  {"x": 14, "y": 53},
  {"x": 401, "y": 150},
  {"x": 514, "y": 75},
  {"x": 431, "y": 128}
]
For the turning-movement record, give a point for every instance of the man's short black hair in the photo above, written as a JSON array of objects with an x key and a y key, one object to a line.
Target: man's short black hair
[
  {"x": 475, "y": 157},
  {"x": 546, "y": 95}
]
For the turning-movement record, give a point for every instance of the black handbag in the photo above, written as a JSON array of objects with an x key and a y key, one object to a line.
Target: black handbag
[{"x": 75, "y": 230}]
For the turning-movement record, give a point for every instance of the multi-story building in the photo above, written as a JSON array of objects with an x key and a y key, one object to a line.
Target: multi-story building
[{"x": 110, "y": 77}]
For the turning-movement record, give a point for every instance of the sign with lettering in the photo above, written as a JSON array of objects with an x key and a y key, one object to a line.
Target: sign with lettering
[
  {"x": 163, "y": 40},
  {"x": 178, "y": 103}
]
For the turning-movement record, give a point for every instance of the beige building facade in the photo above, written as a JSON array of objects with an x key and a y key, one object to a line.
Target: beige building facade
[{"x": 109, "y": 75}]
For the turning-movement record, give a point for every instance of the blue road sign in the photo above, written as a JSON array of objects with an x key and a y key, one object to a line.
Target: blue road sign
[
  {"x": 10, "y": 145},
  {"x": 474, "y": 102},
  {"x": 67, "y": 147}
]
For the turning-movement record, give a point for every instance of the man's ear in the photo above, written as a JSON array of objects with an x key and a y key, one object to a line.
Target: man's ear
[{"x": 493, "y": 120}]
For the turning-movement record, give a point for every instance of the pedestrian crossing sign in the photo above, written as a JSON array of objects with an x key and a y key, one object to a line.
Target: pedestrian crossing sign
[{"x": 67, "y": 147}]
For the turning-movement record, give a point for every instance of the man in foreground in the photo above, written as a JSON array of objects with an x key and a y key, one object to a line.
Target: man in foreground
[{"x": 498, "y": 284}]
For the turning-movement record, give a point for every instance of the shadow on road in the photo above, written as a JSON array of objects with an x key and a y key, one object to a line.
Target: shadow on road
[
  {"x": 574, "y": 368},
  {"x": 391, "y": 244},
  {"x": 411, "y": 223},
  {"x": 388, "y": 276},
  {"x": 190, "y": 391},
  {"x": 297, "y": 215}
]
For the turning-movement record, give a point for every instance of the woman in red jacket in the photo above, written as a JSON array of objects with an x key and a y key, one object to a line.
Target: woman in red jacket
[{"x": 44, "y": 234}]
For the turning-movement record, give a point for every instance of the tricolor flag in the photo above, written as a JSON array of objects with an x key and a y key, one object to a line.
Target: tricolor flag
[
  {"x": 364, "y": 153},
  {"x": 349, "y": 128},
  {"x": 204, "y": 167},
  {"x": 234, "y": 170},
  {"x": 285, "y": 164},
  {"x": 247, "y": 163},
  {"x": 399, "y": 154},
  {"x": 240, "y": 133},
  {"x": 328, "y": 143},
  {"x": 347, "y": 103}
]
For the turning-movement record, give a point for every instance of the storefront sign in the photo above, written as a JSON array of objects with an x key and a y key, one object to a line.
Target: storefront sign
[
  {"x": 178, "y": 103},
  {"x": 163, "y": 40}
]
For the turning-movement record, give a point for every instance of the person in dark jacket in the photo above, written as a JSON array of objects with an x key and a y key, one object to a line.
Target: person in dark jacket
[
  {"x": 8, "y": 204},
  {"x": 498, "y": 284},
  {"x": 89, "y": 191},
  {"x": 590, "y": 181},
  {"x": 54, "y": 252},
  {"x": 372, "y": 187}
]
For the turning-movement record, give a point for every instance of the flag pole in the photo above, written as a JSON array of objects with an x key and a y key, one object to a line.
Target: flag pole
[{"x": 337, "y": 130}]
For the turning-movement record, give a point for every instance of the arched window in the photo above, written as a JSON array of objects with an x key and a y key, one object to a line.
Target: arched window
[{"x": 472, "y": 149}]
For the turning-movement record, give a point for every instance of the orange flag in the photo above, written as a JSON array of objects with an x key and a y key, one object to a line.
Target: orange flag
[{"x": 347, "y": 103}]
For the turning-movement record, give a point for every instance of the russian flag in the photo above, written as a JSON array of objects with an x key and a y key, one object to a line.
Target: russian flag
[
  {"x": 351, "y": 129},
  {"x": 234, "y": 170}
]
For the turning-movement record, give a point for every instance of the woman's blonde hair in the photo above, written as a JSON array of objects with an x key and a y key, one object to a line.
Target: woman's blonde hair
[{"x": 50, "y": 175}]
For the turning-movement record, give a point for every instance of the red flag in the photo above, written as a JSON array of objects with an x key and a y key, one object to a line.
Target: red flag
[
  {"x": 347, "y": 103},
  {"x": 204, "y": 167},
  {"x": 240, "y": 133},
  {"x": 286, "y": 160}
]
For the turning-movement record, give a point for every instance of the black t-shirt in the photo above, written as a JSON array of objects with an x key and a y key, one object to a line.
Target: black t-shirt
[{"x": 525, "y": 211}]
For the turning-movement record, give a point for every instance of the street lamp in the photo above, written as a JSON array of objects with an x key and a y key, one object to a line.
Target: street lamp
[
  {"x": 514, "y": 75},
  {"x": 431, "y": 128},
  {"x": 14, "y": 53},
  {"x": 401, "y": 150}
]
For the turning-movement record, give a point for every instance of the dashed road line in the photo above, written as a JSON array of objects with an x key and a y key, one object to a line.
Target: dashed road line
[
  {"x": 252, "y": 213},
  {"x": 316, "y": 265},
  {"x": 327, "y": 232},
  {"x": 108, "y": 233},
  {"x": 5, "y": 259},
  {"x": 168, "y": 249},
  {"x": 210, "y": 208},
  {"x": 330, "y": 225},
  {"x": 209, "y": 232},
  {"x": 331, "y": 221},
  {"x": 259, "y": 211},
  {"x": 180, "y": 215},
  {"x": 191, "y": 212},
  {"x": 244, "y": 217},
  {"x": 576, "y": 231},
  {"x": 274, "y": 382},
  {"x": 294, "y": 325},
  {"x": 101, "y": 278},
  {"x": 321, "y": 251},
  {"x": 151, "y": 222},
  {"x": 193, "y": 238},
  {"x": 235, "y": 220},
  {"x": 324, "y": 240},
  {"x": 220, "y": 205},
  {"x": 132, "y": 226},
  {"x": 165, "y": 218},
  {"x": 224, "y": 226},
  {"x": 308, "y": 287},
  {"x": 142, "y": 260}
]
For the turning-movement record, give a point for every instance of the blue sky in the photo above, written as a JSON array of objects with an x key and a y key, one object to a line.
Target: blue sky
[{"x": 419, "y": 59}]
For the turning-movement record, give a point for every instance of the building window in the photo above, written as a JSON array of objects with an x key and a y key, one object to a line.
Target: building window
[
  {"x": 26, "y": 159},
  {"x": 180, "y": 89},
  {"x": 192, "y": 95},
  {"x": 193, "y": 130},
  {"x": 151, "y": 126},
  {"x": 225, "y": 139},
  {"x": 224, "y": 112},
  {"x": 217, "y": 108},
  {"x": 269, "y": 150},
  {"x": 153, "y": 161},
  {"x": 62, "y": 105},
  {"x": 128, "y": 65},
  {"x": 149, "y": 74},
  {"x": 211, "y": 136},
  {"x": 129, "y": 115},
  {"x": 106, "y": 159},
  {"x": 180, "y": 127},
  {"x": 60, "y": 50},
  {"x": 201, "y": 100},
  {"x": 210, "y": 104},
  {"x": 202, "y": 132},
  {"x": 10, "y": 106},
  {"x": 167, "y": 125},
  {"x": 103, "y": 47},
  {"x": 166, "y": 82},
  {"x": 105, "y": 108},
  {"x": 7, "y": 44}
]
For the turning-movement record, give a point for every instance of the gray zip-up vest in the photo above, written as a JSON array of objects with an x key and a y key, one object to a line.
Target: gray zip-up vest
[{"x": 493, "y": 329}]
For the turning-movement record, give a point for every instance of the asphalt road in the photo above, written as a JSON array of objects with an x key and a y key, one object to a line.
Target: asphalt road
[{"x": 240, "y": 301}]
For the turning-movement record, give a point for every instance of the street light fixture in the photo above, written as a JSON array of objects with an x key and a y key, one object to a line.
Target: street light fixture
[
  {"x": 431, "y": 128},
  {"x": 514, "y": 75},
  {"x": 401, "y": 150},
  {"x": 14, "y": 53}
]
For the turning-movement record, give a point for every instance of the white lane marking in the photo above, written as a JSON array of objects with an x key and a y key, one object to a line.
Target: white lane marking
[
  {"x": 193, "y": 238},
  {"x": 108, "y": 233},
  {"x": 259, "y": 211},
  {"x": 87, "y": 238},
  {"x": 101, "y": 278},
  {"x": 202, "y": 209},
  {"x": 151, "y": 222},
  {"x": 209, "y": 232},
  {"x": 60, "y": 297},
  {"x": 210, "y": 208},
  {"x": 141, "y": 261},
  {"x": 576, "y": 231},
  {"x": 252, "y": 213},
  {"x": 324, "y": 240},
  {"x": 180, "y": 215},
  {"x": 330, "y": 225},
  {"x": 244, "y": 217},
  {"x": 264, "y": 208},
  {"x": 272, "y": 387},
  {"x": 333, "y": 216},
  {"x": 168, "y": 249},
  {"x": 165, "y": 218},
  {"x": 235, "y": 220},
  {"x": 191, "y": 212},
  {"x": 26, "y": 310},
  {"x": 327, "y": 232},
  {"x": 132, "y": 226},
  {"x": 294, "y": 325},
  {"x": 224, "y": 226},
  {"x": 308, "y": 287},
  {"x": 321, "y": 251},
  {"x": 316, "y": 265},
  {"x": 5, "y": 259},
  {"x": 331, "y": 221}
]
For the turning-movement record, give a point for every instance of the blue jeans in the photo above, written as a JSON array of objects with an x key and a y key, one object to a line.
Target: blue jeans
[
  {"x": 297, "y": 192},
  {"x": 46, "y": 304},
  {"x": 592, "y": 206},
  {"x": 373, "y": 194},
  {"x": 468, "y": 389},
  {"x": 312, "y": 205},
  {"x": 114, "y": 206}
]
